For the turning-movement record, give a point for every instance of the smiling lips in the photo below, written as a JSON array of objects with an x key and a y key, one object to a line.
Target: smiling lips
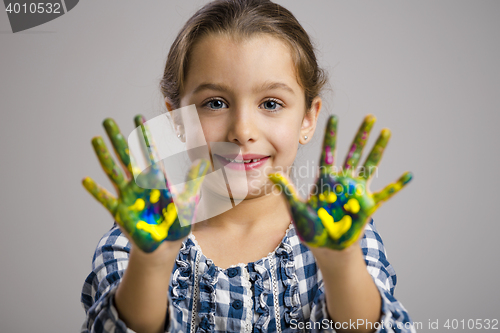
[{"x": 249, "y": 161}]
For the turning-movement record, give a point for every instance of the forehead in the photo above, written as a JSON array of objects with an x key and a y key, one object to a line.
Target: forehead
[{"x": 242, "y": 64}]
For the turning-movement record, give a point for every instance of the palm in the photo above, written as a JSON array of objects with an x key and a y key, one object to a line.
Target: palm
[
  {"x": 149, "y": 215},
  {"x": 335, "y": 214}
]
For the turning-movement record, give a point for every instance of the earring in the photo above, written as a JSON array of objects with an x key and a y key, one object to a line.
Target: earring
[
  {"x": 178, "y": 135},
  {"x": 305, "y": 137}
]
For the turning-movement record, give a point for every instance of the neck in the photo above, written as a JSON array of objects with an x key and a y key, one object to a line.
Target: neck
[{"x": 267, "y": 212}]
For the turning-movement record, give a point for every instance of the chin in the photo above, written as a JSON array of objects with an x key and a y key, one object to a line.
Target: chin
[{"x": 259, "y": 188}]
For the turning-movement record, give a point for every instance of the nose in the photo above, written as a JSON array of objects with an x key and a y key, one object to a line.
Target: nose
[{"x": 243, "y": 128}]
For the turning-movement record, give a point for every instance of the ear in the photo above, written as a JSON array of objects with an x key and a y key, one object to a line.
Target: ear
[
  {"x": 310, "y": 120},
  {"x": 178, "y": 123},
  {"x": 169, "y": 103}
]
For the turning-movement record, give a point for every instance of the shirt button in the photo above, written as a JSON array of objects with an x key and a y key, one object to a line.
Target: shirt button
[
  {"x": 237, "y": 304},
  {"x": 232, "y": 272}
]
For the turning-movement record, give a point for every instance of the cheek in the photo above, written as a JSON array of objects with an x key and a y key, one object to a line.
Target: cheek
[
  {"x": 213, "y": 128},
  {"x": 286, "y": 142}
]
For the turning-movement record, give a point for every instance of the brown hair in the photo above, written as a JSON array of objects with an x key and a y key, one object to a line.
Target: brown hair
[{"x": 242, "y": 19}]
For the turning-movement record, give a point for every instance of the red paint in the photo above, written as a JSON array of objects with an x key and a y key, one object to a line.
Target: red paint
[{"x": 328, "y": 156}]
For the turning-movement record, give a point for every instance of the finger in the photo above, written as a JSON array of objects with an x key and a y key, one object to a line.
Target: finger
[
  {"x": 108, "y": 164},
  {"x": 392, "y": 188},
  {"x": 199, "y": 168},
  {"x": 376, "y": 153},
  {"x": 195, "y": 175},
  {"x": 190, "y": 196},
  {"x": 150, "y": 149},
  {"x": 359, "y": 142},
  {"x": 287, "y": 188},
  {"x": 100, "y": 194},
  {"x": 119, "y": 143},
  {"x": 310, "y": 228},
  {"x": 329, "y": 145}
]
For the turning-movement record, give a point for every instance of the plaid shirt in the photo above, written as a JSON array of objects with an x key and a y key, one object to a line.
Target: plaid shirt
[{"x": 282, "y": 292}]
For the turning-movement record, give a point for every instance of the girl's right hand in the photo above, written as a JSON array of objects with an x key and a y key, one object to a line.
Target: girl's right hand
[{"x": 148, "y": 217}]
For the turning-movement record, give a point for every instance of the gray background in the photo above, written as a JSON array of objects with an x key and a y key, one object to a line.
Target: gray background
[{"x": 427, "y": 69}]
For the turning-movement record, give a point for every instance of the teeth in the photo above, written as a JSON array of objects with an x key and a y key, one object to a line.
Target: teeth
[{"x": 243, "y": 161}]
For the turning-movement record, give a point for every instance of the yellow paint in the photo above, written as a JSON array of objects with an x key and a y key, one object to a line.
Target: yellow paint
[
  {"x": 319, "y": 240},
  {"x": 359, "y": 190},
  {"x": 138, "y": 205},
  {"x": 352, "y": 206},
  {"x": 335, "y": 229},
  {"x": 170, "y": 214},
  {"x": 154, "y": 196},
  {"x": 331, "y": 197},
  {"x": 160, "y": 231},
  {"x": 136, "y": 171},
  {"x": 278, "y": 178}
]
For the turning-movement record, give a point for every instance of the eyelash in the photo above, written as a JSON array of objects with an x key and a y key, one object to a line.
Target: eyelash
[{"x": 277, "y": 101}]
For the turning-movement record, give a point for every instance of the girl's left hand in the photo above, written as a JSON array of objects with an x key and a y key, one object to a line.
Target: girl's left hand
[{"x": 340, "y": 205}]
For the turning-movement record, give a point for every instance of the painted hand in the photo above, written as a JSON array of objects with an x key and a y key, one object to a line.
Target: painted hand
[
  {"x": 340, "y": 205},
  {"x": 149, "y": 216}
]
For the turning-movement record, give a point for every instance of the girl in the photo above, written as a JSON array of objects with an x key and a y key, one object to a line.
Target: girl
[{"x": 273, "y": 263}]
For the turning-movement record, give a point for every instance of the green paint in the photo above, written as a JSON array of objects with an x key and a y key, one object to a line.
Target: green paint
[
  {"x": 119, "y": 143},
  {"x": 149, "y": 147},
  {"x": 359, "y": 142},
  {"x": 108, "y": 164},
  {"x": 329, "y": 145},
  {"x": 392, "y": 188},
  {"x": 376, "y": 153},
  {"x": 100, "y": 194}
]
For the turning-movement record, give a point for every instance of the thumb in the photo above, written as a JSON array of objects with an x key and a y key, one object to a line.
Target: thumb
[
  {"x": 287, "y": 188},
  {"x": 309, "y": 227}
]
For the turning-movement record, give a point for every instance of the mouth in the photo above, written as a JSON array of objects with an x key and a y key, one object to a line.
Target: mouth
[
  {"x": 252, "y": 160},
  {"x": 246, "y": 163}
]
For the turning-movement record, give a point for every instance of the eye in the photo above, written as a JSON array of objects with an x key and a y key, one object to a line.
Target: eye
[
  {"x": 214, "y": 104},
  {"x": 272, "y": 104}
]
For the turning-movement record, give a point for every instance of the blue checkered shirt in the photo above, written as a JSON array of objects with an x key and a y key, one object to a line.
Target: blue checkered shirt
[{"x": 282, "y": 292}]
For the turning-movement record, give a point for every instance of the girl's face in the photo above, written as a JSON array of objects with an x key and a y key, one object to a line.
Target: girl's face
[{"x": 247, "y": 93}]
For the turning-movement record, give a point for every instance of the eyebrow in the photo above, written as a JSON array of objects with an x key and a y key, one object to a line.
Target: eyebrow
[{"x": 225, "y": 88}]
